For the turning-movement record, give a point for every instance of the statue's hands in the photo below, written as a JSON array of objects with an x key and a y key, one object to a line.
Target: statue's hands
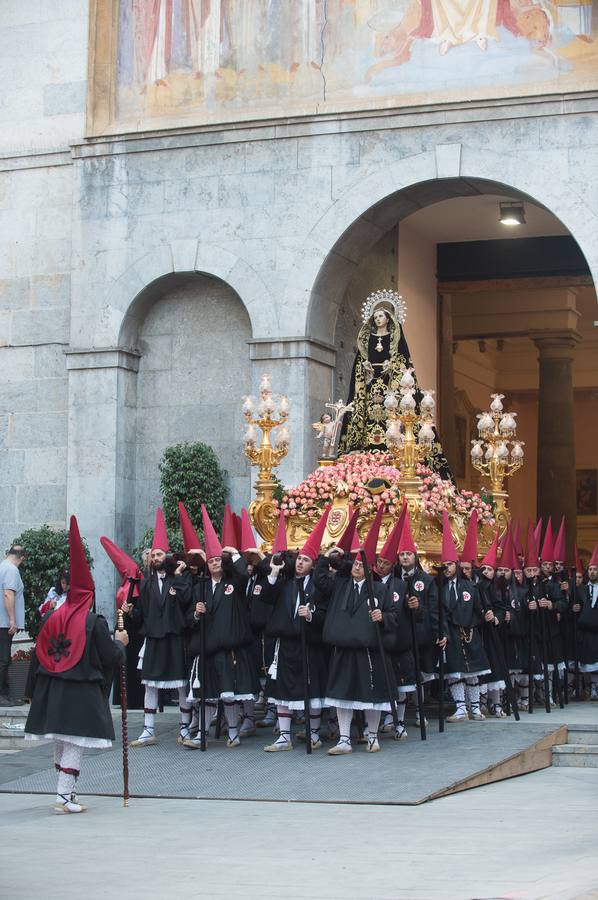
[
  {"x": 368, "y": 371},
  {"x": 386, "y": 365}
]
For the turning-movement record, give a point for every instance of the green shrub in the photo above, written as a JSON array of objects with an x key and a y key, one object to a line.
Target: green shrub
[
  {"x": 192, "y": 473},
  {"x": 47, "y": 555}
]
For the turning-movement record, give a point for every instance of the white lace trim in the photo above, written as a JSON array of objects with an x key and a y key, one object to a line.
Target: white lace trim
[
  {"x": 90, "y": 742},
  {"x": 164, "y": 684},
  {"x": 314, "y": 703},
  {"x": 406, "y": 688},
  {"x": 356, "y": 704},
  {"x": 460, "y": 675},
  {"x": 588, "y": 667}
]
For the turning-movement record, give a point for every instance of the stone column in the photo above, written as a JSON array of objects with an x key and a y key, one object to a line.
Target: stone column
[
  {"x": 446, "y": 380},
  {"x": 101, "y": 455},
  {"x": 303, "y": 369},
  {"x": 556, "y": 428}
]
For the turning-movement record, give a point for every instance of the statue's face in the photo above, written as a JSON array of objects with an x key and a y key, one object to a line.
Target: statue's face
[{"x": 381, "y": 318}]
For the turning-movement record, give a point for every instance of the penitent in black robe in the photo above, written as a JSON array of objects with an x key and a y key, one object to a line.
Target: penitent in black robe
[
  {"x": 74, "y": 705},
  {"x": 356, "y": 675},
  {"x": 161, "y": 618},
  {"x": 465, "y": 653}
]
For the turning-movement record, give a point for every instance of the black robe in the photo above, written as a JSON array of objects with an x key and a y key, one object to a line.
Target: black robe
[
  {"x": 465, "y": 653},
  {"x": 517, "y": 631},
  {"x": 75, "y": 702},
  {"x": 161, "y": 618},
  {"x": 356, "y": 676},
  {"x": 425, "y": 588},
  {"x": 491, "y": 597},
  {"x": 229, "y": 664},
  {"x": 560, "y": 606},
  {"x": 284, "y": 627},
  {"x": 588, "y": 631},
  {"x": 398, "y": 642},
  {"x": 259, "y": 614}
]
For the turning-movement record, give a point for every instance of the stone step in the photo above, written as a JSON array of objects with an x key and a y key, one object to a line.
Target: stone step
[
  {"x": 578, "y": 755},
  {"x": 582, "y": 734}
]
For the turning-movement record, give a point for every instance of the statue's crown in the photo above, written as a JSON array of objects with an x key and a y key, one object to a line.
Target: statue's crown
[{"x": 385, "y": 299}]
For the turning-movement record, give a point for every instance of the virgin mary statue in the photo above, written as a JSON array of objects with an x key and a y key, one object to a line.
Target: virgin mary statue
[{"x": 382, "y": 357}]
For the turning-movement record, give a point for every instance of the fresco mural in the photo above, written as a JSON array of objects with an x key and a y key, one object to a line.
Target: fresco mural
[{"x": 204, "y": 61}]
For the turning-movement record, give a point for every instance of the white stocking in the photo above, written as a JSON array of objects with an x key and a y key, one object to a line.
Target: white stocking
[
  {"x": 231, "y": 714},
  {"x": 372, "y": 717},
  {"x": 69, "y": 767},
  {"x": 345, "y": 717},
  {"x": 150, "y": 705}
]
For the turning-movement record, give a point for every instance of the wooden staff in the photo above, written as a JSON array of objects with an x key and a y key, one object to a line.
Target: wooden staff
[
  {"x": 305, "y": 662},
  {"x": 440, "y": 588},
  {"x": 203, "y": 578},
  {"x": 369, "y": 581},
  {"x": 120, "y": 625}
]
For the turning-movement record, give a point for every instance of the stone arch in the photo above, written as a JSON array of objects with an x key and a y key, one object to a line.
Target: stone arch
[
  {"x": 374, "y": 203},
  {"x": 135, "y": 289}
]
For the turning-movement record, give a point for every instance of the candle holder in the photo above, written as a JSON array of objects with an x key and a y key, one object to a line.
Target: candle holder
[
  {"x": 409, "y": 435},
  {"x": 265, "y": 414},
  {"x": 497, "y": 454}
]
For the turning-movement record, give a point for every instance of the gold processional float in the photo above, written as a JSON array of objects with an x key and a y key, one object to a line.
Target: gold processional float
[{"x": 361, "y": 480}]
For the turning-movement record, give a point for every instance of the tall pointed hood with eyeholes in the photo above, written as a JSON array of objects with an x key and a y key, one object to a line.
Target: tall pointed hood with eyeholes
[
  {"x": 312, "y": 545},
  {"x": 160, "y": 541},
  {"x": 61, "y": 641},
  {"x": 449, "y": 549},
  {"x": 469, "y": 554},
  {"x": 213, "y": 545},
  {"x": 229, "y": 532},
  {"x": 191, "y": 541}
]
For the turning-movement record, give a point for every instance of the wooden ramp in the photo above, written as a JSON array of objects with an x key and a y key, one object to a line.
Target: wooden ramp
[{"x": 405, "y": 773}]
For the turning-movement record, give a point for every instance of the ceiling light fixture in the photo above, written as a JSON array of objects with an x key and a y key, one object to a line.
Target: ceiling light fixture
[{"x": 512, "y": 213}]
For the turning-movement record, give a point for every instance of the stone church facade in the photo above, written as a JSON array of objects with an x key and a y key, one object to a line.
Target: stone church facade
[{"x": 147, "y": 280}]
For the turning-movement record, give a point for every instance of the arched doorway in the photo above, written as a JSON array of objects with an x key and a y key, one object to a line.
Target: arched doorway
[
  {"x": 531, "y": 327},
  {"x": 191, "y": 331}
]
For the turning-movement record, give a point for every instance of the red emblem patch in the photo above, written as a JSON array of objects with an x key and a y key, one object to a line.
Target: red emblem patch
[
  {"x": 257, "y": 589},
  {"x": 466, "y": 595},
  {"x": 419, "y": 585},
  {"x": 228, "y": 589},
  {"x": 395, "y": 597}
]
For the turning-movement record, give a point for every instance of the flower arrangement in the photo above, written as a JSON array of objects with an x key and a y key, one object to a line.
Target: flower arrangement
[{"x": 350, "y": 476}]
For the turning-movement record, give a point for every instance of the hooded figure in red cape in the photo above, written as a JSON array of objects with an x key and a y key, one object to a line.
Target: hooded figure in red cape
[{"x": 70, "y": 671}]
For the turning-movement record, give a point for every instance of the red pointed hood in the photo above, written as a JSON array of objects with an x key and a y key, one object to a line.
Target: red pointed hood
[
  {"x": 538, "y": 532},
  {"x": 469, "y": 553},
  {"x": 371, "y": 542},
  {"x": 238, "y": 529},
  {"x": 248, "y": 541},
  {"x": 547, "y": 554},
  {"x": 390, "y": 549},
  {"x": 531, "y": 551},
  {"x": 160, "y": 541},
  {"x": 229, "y": 533},
  {"x": 61, "y": 641},
  {"x": 349, "y": 539},
  {"x": 449, "y": 550},
  {"x": 509, "y": 559},
  {"x": 280, "y": 538},
  {"x": 312, "y": 545},
  {"x": 517, "y": 539},
  {"x": 594, "y": 560},
  {"x": 406, "y": 541},
  {"x": 191, "y": 542},
  {"x": 213, "y": 545},
  {"x": 123, "y": 563},
  {"x": 491, "y": 557},
  {"x": 560, "y": 552}
]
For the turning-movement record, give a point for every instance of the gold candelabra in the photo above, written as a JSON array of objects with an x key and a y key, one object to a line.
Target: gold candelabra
[
  {"x": 407, "y": 447},
  {"x": 492, "y": 456},
  {"x": 265, "y": 455}
]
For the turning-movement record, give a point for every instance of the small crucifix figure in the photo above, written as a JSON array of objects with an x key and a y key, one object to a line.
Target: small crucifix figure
[{"x": 328, "y": 427}]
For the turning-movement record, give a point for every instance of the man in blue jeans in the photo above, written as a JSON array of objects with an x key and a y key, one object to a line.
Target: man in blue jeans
[{"x": 12, "y": 614}]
